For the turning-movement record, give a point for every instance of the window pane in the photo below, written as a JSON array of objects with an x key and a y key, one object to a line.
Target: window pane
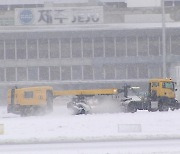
[
  {"x": 98, "y": 47},
  {"x": 65, "y": 48},
  {"x": 76, "y": 72},
  {"x": 168, "y": 45},
  {"x": 54, "y": 73},
  {"x": 10, "y": 49},
  {"x": 120, "y": 47},
  {"x": 10, "y": 74},
  {"x": 66, "y": 73},
  {"x": 43, "y": 48},
  {"x": 99, "y": 73},
  {"x": 54, "y": 48},
  {"x": 32, "y": 49},
  {"x": 168, "y": 3},
  {"x": 1, "y": 74},
  {"x": 132, "y": 71},
  {"x": 21, "y": 49},
  {"x": 28, "y": 94},
  {"x": 109, "y": 72},
  {"x": 121, "y": 71},
  {"x": 143, "y": 71},
  {"x": 154, "y": 46},
  {"x": 131, "y": 46},
  {"x": 154, "y": 71},
  {"x": 21, "y": 74},
  {"x": 87, "y": 72},
  {"x": 32, "y": 73},
  {"x": 44, "y": 73},
  {"x": 87, "y": 47},
  {"x": 76, "y": 48},
  {"x": 142, "y": 46},
  {"x": 176, "y": 3},
  {"x": 175, "y": 42},
  {"x": 109, "y": 47},
  {"x": 1, "y": 49}
]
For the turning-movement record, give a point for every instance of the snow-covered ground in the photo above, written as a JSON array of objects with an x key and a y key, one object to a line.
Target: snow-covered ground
[{"x": 61, "y": 126}]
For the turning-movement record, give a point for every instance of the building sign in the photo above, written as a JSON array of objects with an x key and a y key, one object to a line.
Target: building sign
[{"x": 59, "y": 16}]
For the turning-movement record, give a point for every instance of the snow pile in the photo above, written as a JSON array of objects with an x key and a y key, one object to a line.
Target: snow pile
[{"x": 61, "y": 126}]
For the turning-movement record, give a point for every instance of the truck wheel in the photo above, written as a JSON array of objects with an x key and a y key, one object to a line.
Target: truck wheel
[
  {"x": 83, "y": 111},
  {"x": 163, "y": 107},
  {"x": 152, "y": 110},
  {"x": 172, "y": 108},
  {"x": 50, "y": 107},
  {"x": 23, "y": 112},
  {"x": 150, "y": 107},
  {"x": 132, "y": 108}
]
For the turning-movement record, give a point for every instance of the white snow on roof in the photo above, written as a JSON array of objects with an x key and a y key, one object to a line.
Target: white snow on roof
[{"x": 131, "y": 26}]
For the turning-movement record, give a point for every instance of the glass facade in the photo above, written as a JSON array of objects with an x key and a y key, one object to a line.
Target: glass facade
[{"x": 84, "y": 58}]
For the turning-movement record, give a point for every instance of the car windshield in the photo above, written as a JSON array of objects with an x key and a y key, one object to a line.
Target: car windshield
[{"x": 169, "y": 85}]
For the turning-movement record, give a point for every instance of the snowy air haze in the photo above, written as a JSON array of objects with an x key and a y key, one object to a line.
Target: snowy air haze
[{"x": 66, "y": 66}]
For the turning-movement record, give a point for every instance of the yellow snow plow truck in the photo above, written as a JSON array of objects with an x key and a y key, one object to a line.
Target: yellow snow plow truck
[{"x": 32, "y": 100}]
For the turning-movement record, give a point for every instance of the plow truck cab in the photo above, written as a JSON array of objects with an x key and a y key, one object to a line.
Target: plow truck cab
[
  {"x": 160, "y": 97},
  {"x": 162, "y": 94}
]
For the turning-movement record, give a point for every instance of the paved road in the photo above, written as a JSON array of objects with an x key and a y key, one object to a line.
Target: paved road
[{"x": 124, "y": 147}]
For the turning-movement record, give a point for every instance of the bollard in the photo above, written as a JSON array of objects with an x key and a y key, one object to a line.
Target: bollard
[{"x": 1, "y": 129}]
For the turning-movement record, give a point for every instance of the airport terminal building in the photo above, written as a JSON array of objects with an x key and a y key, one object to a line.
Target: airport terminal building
[{"x": 88, "y": 44}]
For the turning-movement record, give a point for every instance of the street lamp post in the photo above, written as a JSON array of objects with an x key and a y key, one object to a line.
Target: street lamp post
[{"x": 163, "y": 39}]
